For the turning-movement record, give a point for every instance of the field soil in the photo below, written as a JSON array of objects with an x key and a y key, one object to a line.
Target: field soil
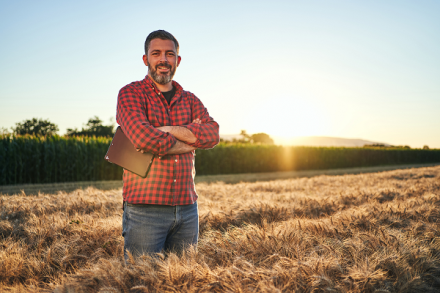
[{"x": 375, "y": 232}]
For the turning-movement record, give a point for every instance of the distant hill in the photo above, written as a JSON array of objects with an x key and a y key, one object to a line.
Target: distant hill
[
  {"x": 329, "y": 141},
  {"x": 325, "y": 141}
]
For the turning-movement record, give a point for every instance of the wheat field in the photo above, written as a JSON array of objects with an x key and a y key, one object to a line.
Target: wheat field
[{"x": 376, "y": 232}]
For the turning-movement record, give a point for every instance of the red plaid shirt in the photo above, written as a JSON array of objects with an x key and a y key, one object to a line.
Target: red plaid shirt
[{"x": 141, "y": 108}]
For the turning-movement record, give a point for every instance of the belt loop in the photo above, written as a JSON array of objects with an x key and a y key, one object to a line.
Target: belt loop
[{"x": 123, "y": 205}]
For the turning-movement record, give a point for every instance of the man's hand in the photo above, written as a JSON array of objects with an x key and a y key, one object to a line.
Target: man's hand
[{"x": 180, "y": 148}]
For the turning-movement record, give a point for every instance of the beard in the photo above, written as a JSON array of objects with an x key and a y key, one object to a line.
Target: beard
[{"x": 159, "y": 77}]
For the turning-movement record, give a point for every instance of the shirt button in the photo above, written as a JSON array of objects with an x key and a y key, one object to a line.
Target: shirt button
[
  {"x": 174, "y": 180},
  {"x": 176, "y": 160}
]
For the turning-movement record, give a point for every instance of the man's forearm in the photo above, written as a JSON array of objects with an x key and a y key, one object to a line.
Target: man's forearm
[
  {"x": 180, "y": 148},
  {"x": 181, "y": 133}
]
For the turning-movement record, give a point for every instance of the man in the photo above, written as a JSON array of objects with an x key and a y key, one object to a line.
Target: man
[{"x": 158, "y": 116}]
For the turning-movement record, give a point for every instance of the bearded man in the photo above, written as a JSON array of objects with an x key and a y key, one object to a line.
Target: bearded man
[{"x": 158, "y": 116}]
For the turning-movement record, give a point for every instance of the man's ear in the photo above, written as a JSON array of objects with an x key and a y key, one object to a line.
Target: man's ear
[
  {"x": 178, "y": 60},
  {"x": 144, "y": 57}
]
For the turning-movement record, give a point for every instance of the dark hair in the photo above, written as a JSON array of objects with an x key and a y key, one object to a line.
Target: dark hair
[{"x": 163, "y": 35}]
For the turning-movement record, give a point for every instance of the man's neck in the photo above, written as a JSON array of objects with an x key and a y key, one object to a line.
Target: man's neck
[{"x": 163, "y": 87}]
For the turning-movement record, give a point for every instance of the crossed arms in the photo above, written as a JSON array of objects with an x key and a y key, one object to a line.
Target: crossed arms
[
  {"x": 183, "y": 136},
  {"x": 202, "y": 132}
]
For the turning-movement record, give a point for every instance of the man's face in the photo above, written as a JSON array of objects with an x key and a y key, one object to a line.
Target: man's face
[{"x": 162, "y": 60}]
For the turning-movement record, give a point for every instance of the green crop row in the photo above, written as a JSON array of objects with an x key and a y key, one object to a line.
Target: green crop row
[
  {"x": 248, "y": 158},
  {"x": 38, "y": 159},
  {"x": 33, "y": 159}
]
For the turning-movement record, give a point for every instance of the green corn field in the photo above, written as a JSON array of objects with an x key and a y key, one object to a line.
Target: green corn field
[
  {"x": 250, "y": 158},
  {"x": 35, "y": 159}
]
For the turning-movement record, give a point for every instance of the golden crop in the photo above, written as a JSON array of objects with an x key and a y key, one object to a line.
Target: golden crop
[{"x": 377, "y": 232}]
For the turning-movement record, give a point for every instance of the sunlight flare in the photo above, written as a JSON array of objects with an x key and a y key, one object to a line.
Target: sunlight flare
[{"x": 288, "y": 117}]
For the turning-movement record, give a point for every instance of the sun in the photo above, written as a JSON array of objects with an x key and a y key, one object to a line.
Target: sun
[{"x": 286, "y": 117}]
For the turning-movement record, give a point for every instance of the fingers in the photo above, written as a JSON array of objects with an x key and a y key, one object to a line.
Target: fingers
[
  {"x": 198, "y": 121},
  {"x": 139, "y": 150}
]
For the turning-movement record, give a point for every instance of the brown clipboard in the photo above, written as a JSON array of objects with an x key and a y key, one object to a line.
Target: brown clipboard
[{"x": 123, "y": 153}]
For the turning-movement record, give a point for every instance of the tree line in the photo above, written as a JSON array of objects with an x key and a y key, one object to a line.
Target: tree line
[
  {"x": 380, "y": 145},
  {"x": 95, "y": 127},
  {"x": 259, "y": 138},
  {"x": 40, "y": 127}
]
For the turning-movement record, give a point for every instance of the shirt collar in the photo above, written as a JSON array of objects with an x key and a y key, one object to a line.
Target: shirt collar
[{"x": 151, "y": 84}]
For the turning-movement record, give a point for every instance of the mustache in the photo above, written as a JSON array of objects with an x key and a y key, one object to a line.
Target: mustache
[{"x": 164, "y": 64}]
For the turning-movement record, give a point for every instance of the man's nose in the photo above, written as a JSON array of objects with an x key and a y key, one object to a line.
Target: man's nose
[{"x": 163, "y": 58}]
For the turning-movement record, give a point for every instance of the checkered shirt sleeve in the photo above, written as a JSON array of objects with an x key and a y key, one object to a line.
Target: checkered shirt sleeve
[{"x": 207, "y": 132}]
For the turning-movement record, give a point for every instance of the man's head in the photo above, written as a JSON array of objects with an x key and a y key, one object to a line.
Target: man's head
[
  {"x": 161, "y": 56},
  {"x": 163, "y": 35}
]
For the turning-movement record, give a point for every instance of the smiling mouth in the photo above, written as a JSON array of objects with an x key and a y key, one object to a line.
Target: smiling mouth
[{"x": 163, "y": 68}]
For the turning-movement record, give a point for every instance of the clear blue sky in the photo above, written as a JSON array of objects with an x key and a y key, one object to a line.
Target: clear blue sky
[{"x": 353, "y": 69}]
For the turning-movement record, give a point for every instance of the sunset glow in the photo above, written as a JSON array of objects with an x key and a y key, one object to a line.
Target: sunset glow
[
  {"x": 288, "y": 117},
  {"x": 358, "y": 69}
]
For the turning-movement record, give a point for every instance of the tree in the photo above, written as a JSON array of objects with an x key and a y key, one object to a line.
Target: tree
[
  {"x": 261, "y": 138},
  {"x": 245, "y": 137},
  {"x": 35, "y": 127},
  {"x": 4, "y": 131},
  {"x": 93, "y": 127}
]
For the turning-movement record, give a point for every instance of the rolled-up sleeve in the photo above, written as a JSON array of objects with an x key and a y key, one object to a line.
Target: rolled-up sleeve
[
  {"x": 207, "y": 133},
  {"x": 131, "y": 116}
]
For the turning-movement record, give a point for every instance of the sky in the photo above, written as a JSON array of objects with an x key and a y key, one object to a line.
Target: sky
[{"x": 351, "y": 69}]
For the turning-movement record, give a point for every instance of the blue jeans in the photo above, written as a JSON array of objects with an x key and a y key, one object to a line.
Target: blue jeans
[{"x": 155, "y": 228}]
